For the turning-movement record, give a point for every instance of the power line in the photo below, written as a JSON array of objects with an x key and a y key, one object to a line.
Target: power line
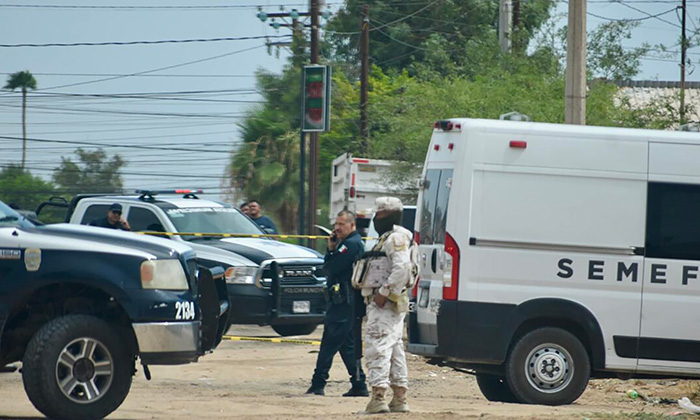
[
  {"x": 147, "y": 174},
  {"x": 151, "y": 137},
  {"x": 125, "y": 96},
  {"x": 162, "y": 41},
  {"x": 646, "y": 13},
  {"x": 633, "y": 19},
  {"x": 401, "y": 19},
  {"x": 177, "y": 92},
  {"x": 201, "y": 7},
  {"x": 233, "y": 115},
  {"x": 201, "y": 60},
  {"x": 133, "y": 146},
  {"x": 140, "y": 75},
  {"x": 403, "y": 43},
  {"x": 165, "y": 127}
]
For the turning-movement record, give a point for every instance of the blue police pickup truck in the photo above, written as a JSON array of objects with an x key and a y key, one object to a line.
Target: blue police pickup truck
[
  {"x": 80, "y": 305},
  {"x": 269, "y": 282}
]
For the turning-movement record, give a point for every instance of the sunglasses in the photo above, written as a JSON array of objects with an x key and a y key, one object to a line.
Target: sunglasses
[{"x": 117, "y": 212}]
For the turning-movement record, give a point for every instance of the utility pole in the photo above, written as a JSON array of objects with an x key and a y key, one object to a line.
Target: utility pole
[
  {"x": 364, "y": 78},
  {"x": 575, "y": 99},
  {"x": 504, "y": 22},
  {"x": 516, "y": 41},
  {"x": 684, "y": 47},
  {"x": 313, "y": 141},
  {"x": 297, "y": 47}
]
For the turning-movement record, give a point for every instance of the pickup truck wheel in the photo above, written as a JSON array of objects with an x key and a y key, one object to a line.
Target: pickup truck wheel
[
  {"x": 76, "y": 367},
  {"x": 294, "y": 329},
  {"x": 495, "y": 388},
  {"x": 548, "y": 366}
]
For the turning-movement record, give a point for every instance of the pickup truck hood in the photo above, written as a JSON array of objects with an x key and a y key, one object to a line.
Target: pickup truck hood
[
  {"x": 88, "y": 238},
  {"x": 259, "y": 250},
  {"x": 206, "y": 252}
]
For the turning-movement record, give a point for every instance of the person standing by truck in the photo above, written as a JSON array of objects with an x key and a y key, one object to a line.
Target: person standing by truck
[
  {"x": 384, "y": 290},
  {"x": 255, "y": 213},
  {"x": 344, "y": 248}
]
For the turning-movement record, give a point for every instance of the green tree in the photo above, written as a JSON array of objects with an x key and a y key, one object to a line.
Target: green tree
[
  {"x": 93, "y": 172},
  {"x": 403, "y": 34},
  {"x": 18, "y": 186},
  {"x": 607, "y": 58},
  {"x": 267, "y": 170},
  {"x": 22, "y": 80}
]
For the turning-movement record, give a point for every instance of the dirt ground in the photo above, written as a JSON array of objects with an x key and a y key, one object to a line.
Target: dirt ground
[{"x": 263, "y": 380}]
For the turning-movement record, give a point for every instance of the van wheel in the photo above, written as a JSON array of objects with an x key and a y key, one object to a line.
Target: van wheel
[
  {"x": 76, "y": 367},
  {"x": 495, "y": 388},
  {"x": 294, "y": 329},
  {"x": 548, "y": 366}
]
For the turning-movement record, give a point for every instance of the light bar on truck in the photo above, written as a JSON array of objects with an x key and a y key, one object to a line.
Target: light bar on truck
[
  {"x": 151, "y": 193},
  {"x": 156, "y": 192}
]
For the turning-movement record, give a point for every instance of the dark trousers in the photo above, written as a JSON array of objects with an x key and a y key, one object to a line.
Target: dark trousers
[{"x": 337, "y": 337}]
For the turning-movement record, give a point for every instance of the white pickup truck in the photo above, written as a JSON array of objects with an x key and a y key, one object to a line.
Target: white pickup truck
[{"x": 356, "y": 182}]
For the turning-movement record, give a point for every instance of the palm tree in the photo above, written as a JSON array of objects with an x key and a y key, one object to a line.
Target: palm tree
[
  {"x": 22, "y": 80},
  {"x": 268, "y": 170}
]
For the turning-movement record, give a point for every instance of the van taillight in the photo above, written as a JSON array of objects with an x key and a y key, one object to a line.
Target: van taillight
[
  {"x": 450, "y": 279},
  {"x": 414, "y": 291}
]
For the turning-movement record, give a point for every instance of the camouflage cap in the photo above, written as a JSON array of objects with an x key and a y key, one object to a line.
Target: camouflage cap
[{"x": 388, "y": 204}]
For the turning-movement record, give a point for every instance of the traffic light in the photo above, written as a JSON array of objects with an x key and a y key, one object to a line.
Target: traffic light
[{"x": 316, "y": 98}]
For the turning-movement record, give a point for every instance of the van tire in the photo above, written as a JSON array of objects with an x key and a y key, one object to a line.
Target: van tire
[
  {"x": 286, "y": 330},
  {"x": 548, "y": 366},
  {"x": 90, "y": 342},
  {"x": 495, "y": 388}
]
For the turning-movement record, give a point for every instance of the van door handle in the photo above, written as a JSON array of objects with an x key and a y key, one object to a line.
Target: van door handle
[{"x": 433, "y": 261}]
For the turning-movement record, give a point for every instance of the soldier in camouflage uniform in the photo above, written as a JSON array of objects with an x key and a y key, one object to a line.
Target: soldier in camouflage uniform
[{"x": 384, "y": 289}]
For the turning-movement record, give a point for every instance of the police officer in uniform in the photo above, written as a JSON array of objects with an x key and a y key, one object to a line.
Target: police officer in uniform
[
  {"x": 113, "y": 220},
  {"x": 344, "y": 247},
  {"x": 384, "y": 290}
]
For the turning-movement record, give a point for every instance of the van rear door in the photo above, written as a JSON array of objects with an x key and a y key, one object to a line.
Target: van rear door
[{"x": 431, "y": 221}]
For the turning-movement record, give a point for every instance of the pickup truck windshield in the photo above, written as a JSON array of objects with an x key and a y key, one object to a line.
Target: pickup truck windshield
[
  {"x": 10, "y": 218},
  {"x": 212, "y": 220}
]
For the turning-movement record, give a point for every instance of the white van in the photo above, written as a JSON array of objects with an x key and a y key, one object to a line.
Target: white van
[{"x": 555, "y": 253}]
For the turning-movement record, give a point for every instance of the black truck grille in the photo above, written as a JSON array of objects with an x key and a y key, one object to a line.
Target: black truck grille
[{"x": 298, "y": 275}]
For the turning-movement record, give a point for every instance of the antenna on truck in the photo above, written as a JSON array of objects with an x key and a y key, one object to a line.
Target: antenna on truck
[{"x": 515, "y": 116}]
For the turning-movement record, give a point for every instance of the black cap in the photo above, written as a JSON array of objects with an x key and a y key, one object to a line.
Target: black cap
[{"x": 115, "y": 207}]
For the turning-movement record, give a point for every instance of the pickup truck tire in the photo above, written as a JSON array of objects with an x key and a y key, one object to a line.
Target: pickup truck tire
[
  {"x": 76, "y": 367},
  {"x": 495, "y": 388},
  {"x": 294, "y": 329},
  {"x": 548, "y": 366}
]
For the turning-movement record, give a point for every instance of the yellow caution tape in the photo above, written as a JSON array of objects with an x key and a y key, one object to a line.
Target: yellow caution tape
[
  {"x": 238, "y": 235},
  {"x": 272, "y": 340}
]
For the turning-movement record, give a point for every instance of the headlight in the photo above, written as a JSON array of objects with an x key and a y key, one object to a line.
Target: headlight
[
  {"x": 241, "y": 275},
  {"x": 163, "y": 274}
]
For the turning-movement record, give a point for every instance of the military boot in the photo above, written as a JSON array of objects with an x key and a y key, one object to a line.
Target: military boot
[
  {"x": 378, "y": 402},
  {"x": 398, "y": 403}
]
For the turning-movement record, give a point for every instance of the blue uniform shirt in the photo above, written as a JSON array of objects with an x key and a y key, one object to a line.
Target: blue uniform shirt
[{"x": 266, "y": 223}]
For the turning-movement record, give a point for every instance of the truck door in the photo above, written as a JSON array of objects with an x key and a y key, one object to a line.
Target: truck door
[
  {"x": 142, "y": 219},
  {"x": 431, "y": 223},
  {"x": 94, "y": 211},
  {"x": 669, "y": 336}
]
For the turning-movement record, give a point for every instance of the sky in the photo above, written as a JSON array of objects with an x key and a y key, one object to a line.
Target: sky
[{"x": 175, "y": 117}]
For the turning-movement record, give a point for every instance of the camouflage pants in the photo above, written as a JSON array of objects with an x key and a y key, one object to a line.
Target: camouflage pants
[{"x": 385, "y": 357}]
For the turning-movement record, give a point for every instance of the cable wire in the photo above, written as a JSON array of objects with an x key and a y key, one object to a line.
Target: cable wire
[
  {"x": 201, "y": 60},
  {"x": 162, "y": 41}
]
